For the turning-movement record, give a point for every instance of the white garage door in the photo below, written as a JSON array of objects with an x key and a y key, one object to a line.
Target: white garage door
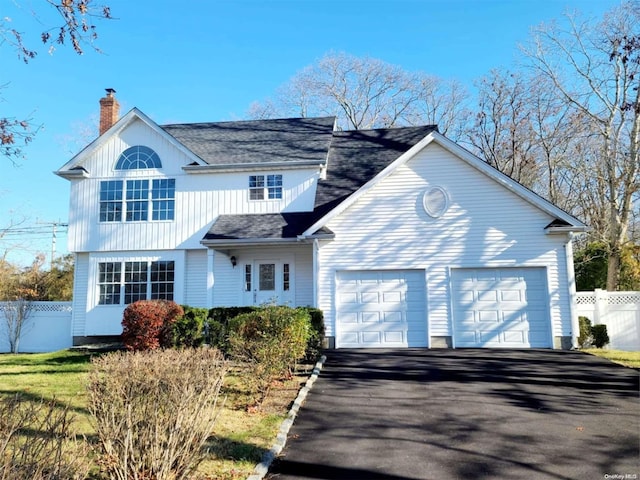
[
  {"x": 377, "y": 309},
  {"x": 500, "y": 307}
]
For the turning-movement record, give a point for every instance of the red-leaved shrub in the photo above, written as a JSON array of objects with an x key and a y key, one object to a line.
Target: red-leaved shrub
[{"x": 146, "y": 324}]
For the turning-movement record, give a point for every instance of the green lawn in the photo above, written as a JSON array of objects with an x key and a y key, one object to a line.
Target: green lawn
[
  {"x": 242, "y": 434},
  {"x": 628, "y": 359}
]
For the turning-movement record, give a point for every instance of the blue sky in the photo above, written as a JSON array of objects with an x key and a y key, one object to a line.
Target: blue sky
[{"x": 209, "y": 60}]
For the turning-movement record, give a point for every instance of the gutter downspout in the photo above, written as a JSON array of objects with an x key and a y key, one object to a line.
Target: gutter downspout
[
  {"x": 211, "y": 256},
  {"x": 316, "y": 249},
  {"x": 571, "y": 283}
]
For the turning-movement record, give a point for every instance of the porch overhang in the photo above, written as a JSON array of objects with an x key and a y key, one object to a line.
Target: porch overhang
[{"x": 246, "y": 242}]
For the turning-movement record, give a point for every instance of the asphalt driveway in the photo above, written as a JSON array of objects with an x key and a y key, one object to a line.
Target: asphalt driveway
[{"x": 466, "y": 414}]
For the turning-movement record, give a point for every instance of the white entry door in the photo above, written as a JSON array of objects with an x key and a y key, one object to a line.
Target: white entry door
[{"x": 269, "y": 281}]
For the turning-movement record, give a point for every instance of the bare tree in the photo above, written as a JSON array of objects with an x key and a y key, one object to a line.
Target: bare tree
[
  {"x": 76, "y": 27},
  {"x": 16, "y": 313},
  {"x": 504, "y": 135},
  {"x": 367, "y": 93},
  {"x": 593, "y": 70},
  {"x": 440, "y": 102}
]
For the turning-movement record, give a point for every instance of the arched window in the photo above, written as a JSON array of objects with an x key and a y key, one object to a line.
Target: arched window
[{"x": 136, "y": 157}]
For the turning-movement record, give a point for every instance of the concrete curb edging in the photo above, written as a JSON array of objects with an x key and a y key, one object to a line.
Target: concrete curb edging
[{"x": 281, "y": 439}]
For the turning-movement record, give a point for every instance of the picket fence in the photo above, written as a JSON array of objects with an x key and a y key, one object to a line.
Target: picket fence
[
  {"x": 46, "y": 329},
  {"x": 619, "y": 311}
]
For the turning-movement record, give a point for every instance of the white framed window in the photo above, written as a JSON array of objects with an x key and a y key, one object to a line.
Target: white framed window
[
  {"x": 111, "y": 201},
  {"x": 286, "y": 283},
  {"x": 132, "y": 200},
  {"x": 137, "y": 157},
  {"x": 265, "y": 187},
  {"x": 247, "y": 277},
  {"x": 124, "y": 282}
]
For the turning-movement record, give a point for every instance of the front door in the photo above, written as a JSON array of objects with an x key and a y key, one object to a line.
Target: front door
[{"x": 266, "y": 282}]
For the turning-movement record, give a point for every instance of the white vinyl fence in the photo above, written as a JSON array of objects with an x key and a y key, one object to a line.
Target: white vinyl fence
[
  {"x": 619, "y": 311},
  {"x": 46, "y": 329}
]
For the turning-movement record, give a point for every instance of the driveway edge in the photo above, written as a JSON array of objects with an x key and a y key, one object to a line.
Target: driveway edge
[{"x": 262, "y": 468}]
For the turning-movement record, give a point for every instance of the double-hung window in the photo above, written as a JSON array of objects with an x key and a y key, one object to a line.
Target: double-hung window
[
  {"x": 163, "y": 196},
  {"x": 137, "y": 204},
  {"x": 111, "y": 201},
  {"x": 132, "y": 200},
  {"x": 127, "y": 282},
  {"x": 263, "y": 187}
]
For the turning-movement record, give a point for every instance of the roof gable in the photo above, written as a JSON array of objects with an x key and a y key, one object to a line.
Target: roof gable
[
  {"x": 477, "y": 163},
  {"x": 74, "y": 168},
  {"x": 357, "y": 156}
]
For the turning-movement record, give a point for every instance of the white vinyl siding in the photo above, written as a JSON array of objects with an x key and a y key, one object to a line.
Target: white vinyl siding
[
  {"x": 195, "y": 284},
  {"x": 485, "y": 225},
  {"x": 230, "y": 285},
  {"x": 199, "y": 198},
  {"x": 80, "y": 284}
]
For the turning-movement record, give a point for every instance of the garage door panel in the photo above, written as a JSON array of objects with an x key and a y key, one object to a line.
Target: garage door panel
[
  {"x": 350, "y": 338},
  {"x": 392, "y": 317},
  {"x": 348, "y": 297},
  {"x": 394, "y": 337},
  {"x": 512, "y": 336},
  {"x": 370, "y": 297},
  {"x": 389, "y": 307},
  {"x": 392, "y": 297},
  {"x": 507, "y": 295},
  {"x": 487, "y": 316},
  {"x": 350, "y": 317},
  {"x": 370, "y": 317},
  {"x": 504, "y": 307}
]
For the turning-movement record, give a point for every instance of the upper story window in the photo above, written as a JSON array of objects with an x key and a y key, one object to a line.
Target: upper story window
[
  {"x": 137, "y": 157},
  {"x": 132, "y": 200},
  {"x": 262, "y": 187}
]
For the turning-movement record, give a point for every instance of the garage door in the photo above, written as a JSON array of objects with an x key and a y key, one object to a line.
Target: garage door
[
  {"x": 377, "y": 309},
  {"x": 500, "y": 307}
]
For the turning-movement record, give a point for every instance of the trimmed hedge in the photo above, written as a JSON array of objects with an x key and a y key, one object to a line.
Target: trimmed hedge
[
  {"x": 592, "y": 335},
  {"x": 152, "y": 324},
  {"x": 316, "y": 334},
  {"x": 585, "y": 339},
  {"x": 148, "y": 324},
  {"x": 271, "y": 340},
  {"x": 216, "y": 331},
  {"x": 188, "y": 330},
  {"x": 600, "y": 335}
]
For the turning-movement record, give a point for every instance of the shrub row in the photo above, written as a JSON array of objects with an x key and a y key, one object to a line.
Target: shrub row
[{"x": 150, "y": 324}]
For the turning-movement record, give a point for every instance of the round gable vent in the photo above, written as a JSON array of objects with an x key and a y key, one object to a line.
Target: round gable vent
[{"x": 435, "y": 201}]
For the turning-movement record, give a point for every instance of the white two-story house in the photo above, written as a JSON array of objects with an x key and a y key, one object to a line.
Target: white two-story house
[{"x": 401, "y": 237}]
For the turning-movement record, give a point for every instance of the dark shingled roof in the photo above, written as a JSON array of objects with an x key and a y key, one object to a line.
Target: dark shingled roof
[
  {"x": 355, "y": 157},
  {"x": 269, "y": 226},
  {"x": 257, "y": 141}
]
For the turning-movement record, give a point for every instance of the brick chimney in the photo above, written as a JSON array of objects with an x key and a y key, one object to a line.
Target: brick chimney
[{"x": 109, "y": 110}]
